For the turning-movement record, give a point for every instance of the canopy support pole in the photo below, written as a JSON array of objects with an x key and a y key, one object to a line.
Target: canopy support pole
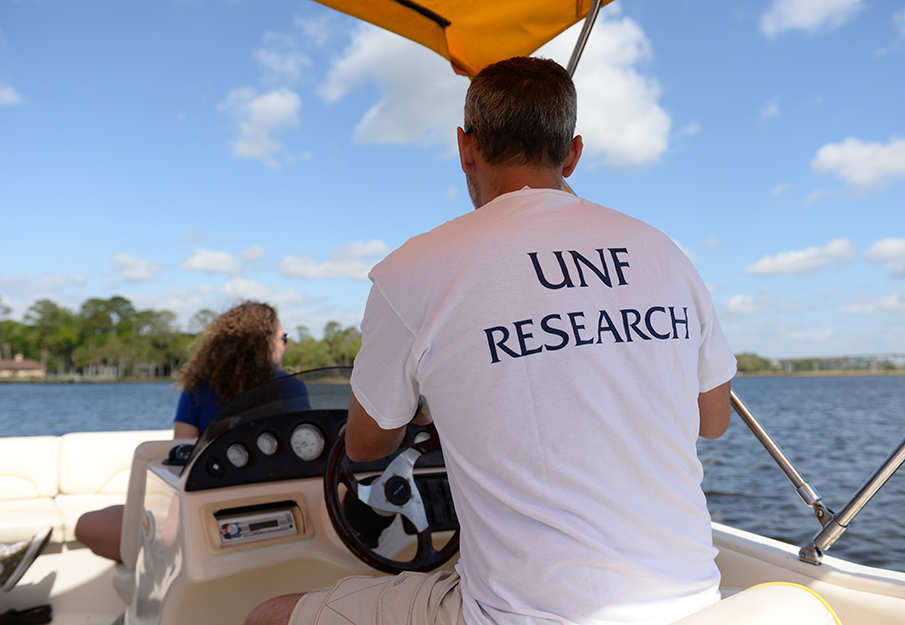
[{"x": 583, "y": 37}]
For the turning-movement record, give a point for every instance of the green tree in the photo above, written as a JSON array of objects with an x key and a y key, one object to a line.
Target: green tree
[
  {"x": 158, "y": 342},
  {"x": 12, "y": 334},
  {"x": 54, "y": 331},
  {"x": 106, "y": 332},
  {"x": 306, "y": 353},
  {"x": 751, "y": 363},
  {"x": 200, "y": 320},
  {"x": 344, "y": 343},
  {"x": 15, "y": 339}
]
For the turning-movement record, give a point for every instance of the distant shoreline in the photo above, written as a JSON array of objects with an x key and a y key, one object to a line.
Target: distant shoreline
[
  {"x": 852, "y": 373},
  {"x": 24, "y": 380}
]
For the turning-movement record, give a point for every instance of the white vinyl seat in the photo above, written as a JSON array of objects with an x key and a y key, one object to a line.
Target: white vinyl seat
[
  {"x": 94, "y": 471},
  {"x": 29, "y": 481},
  {"x": 50, "y": 481},
  {"x": 767, "y": 604}
]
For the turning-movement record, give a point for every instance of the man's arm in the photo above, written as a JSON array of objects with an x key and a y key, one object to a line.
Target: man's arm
[
  {"x": 715, "y": 411},
  {"x": 367, "y": 441}
]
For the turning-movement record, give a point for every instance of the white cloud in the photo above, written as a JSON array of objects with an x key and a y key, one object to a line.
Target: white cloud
[
  {"x": 253, "y": 253},
  {"x": 352, "y": 261},
  {"x": 819, "y": 335},
  {"x": 133, "y": 269},
  {"x": 713, "y": 243},
  {"x": 9, "y": 96},
  {"x": 689, "y": 130},
  {"x": 839, "y": 251},
  {"x": 814, "y": 197},
  {"x": 49, "y": 282},
  {"x": 898, "y": 21},
  {"x": 184, "y": 302},
  {"x": 745, "y": 305},
  {"x": 259, "y": 117},
  {"x": 807, "y": 15},
  {"x": 20, "y": 290},
  {"x": 619, "y": 117},
  {"x": 212, "y": 261},
  {"x": 862, "y": 164},
  {"x": 889, "y": 252},
  {"x": 770, "y": 110},
  {"x": 280, "y": 60},
  {"x": 421, "y": 98},
  {"x": 864, "y": 305},
  {"x": 242, "y": 289},
  {"x": 315, "y": 32},
  {"x": 780, "y": 189}
]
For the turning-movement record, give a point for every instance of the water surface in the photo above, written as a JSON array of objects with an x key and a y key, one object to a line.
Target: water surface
[{"x": 835, "y": 430}]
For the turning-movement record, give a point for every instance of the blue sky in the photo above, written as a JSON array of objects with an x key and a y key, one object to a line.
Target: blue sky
[{"x": 187, "y": 154}]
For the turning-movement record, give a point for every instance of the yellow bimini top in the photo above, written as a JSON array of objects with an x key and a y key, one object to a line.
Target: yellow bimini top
[{"x": 471, "y": 34}]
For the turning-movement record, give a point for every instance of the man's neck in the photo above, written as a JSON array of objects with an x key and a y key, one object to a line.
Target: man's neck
[{"x": 513, "y": 178}]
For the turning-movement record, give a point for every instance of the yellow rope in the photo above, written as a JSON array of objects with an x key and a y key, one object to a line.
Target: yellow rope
[{"x": 819, "y": 598}]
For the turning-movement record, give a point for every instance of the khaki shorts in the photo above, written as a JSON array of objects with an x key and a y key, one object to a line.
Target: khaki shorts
[{"x": 407, "y": 599}]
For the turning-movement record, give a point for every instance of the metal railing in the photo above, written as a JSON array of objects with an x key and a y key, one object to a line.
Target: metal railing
[{"x": 833, "y": 525}]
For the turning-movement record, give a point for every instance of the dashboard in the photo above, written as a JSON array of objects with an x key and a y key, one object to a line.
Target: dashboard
[{"x": 288, "y": 446}]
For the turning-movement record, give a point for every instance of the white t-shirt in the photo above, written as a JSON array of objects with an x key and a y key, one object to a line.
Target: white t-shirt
[{"x": 561, "y": 347}]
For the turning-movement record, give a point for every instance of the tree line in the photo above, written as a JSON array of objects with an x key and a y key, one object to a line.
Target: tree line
[{"x": 111, "y": 338}]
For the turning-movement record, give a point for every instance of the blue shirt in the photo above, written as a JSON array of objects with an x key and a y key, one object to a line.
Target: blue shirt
[{"x": 198, "y": 409}]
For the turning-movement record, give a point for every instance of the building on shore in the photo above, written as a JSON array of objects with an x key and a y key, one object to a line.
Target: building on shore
[{"x": 20, "y": 366}]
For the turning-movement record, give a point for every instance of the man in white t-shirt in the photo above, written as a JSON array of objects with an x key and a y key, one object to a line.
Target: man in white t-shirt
[{"x": 570, "y": 356}]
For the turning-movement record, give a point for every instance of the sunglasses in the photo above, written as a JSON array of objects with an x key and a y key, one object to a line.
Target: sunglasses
[{"x": 285, "y": 339}]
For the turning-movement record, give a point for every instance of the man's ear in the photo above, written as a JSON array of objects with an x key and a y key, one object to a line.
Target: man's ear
[
  {"x": 466, "y": 150},
  {"x": 571, "y": 161}
]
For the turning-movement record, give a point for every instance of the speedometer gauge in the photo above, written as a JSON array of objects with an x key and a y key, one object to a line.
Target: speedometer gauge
[{"x": 307, "y": 442}]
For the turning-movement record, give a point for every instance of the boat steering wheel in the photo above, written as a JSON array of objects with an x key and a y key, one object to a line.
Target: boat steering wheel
[{"x": 393, "y": 492}]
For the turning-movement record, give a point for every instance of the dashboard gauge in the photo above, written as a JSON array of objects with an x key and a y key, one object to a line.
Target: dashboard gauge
[
  {"x": 267, "y": 444},
  {"x": 307, "y": 442},
  {"x": 420, "y": 437},
  {"x": 237, "y": 455}
]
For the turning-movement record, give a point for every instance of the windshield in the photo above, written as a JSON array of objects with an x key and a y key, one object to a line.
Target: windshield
[{"x": 320, "y": 389}]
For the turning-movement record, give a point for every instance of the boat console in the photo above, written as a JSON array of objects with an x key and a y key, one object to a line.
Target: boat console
[{"x": 245, "y": 516}]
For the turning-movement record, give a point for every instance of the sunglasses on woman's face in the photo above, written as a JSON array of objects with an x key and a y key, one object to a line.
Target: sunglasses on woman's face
[{"x": 285, "y": 339}]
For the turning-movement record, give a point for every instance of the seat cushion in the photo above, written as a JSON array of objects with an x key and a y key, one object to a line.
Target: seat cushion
[
  {"x": 29, "y": 467},
  {"x": 99, "y": 462},
  {"x": 71, "y": 507},
  {"x": 20, "y": 519}
]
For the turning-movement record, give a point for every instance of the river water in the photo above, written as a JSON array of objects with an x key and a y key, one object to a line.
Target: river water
[{"x": 835, "y": 430}]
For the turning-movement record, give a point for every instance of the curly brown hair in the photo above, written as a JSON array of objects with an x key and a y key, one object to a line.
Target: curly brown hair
[{"x": 235, "y": 352}]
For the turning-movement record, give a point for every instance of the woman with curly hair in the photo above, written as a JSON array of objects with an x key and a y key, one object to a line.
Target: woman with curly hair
[{"x": 240, "y": 349}]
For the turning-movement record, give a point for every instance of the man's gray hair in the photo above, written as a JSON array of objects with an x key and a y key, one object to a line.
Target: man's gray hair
[{"x": 522, "y": 111}]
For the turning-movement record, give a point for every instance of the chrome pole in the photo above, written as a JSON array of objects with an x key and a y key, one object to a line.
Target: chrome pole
[
  {"x": 583, "y": 37},
  {"x": 839, "y": 523},
  {"x": 833, "y": 524},
  {"x": 807, "y": 492}
]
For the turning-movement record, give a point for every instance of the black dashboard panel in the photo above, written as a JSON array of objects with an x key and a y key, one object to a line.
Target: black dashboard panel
[{"x": 211, "y": 467}]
